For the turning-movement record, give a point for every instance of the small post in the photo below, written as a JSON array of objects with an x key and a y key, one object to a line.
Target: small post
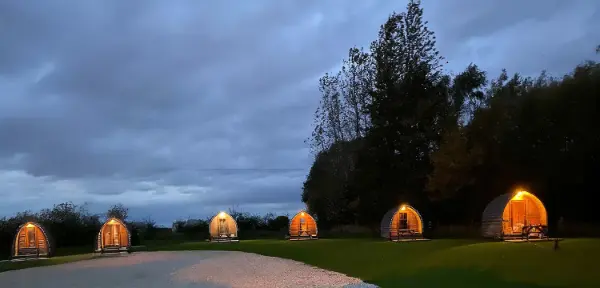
[{"x": 556, "y": 244}]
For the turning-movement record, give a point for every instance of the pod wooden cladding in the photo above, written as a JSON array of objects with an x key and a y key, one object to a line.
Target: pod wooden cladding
[
  {"x": 303, "y": 225},
  {"x": 113, "y": 237},
  {"x": 31, "y": 240},
  {"x": 508, "y": 214}
]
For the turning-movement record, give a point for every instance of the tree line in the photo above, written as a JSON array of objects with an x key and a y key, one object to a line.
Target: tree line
[
  {"x": 71, "y": 225},
  {"x": 250, "y": 226},
  {"x": 394, "y": 126}
]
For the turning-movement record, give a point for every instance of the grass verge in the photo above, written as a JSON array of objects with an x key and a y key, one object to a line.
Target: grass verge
[
  {"x": 436, "y": 263},
  {"x": 9, "y": 265}
]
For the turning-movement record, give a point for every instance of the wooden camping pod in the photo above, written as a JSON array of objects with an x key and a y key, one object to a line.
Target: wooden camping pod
[
  {"x": 403, "y": 222},
  {"x": 303, "y": 226},
  {"x": 223, "y": 228},
  {"x": 113, "y": 237},
  {"x": 515, "y": 215},
  {"x": 31, "y": 240}
]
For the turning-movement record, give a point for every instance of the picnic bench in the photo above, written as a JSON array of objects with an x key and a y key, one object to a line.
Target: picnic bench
[
  {"x": 540, "y": 230},
  {"x": 303, "y": 234},
  {"x": 223, "y": 237},
  {"x": 405, "y": 234}
]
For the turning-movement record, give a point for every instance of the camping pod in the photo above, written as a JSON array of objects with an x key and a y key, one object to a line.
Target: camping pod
[
  {"x": 31, "y": 240},
  {"x": 113, "y": 237},
  {"x": 303, "y": 227},
  {"x": 402, "y": 223},
  {"x": 515, "y": 215},
  {"x": 223, "y": 228}
]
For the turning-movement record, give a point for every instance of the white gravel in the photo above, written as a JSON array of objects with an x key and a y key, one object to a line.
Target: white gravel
[
  {"x": 246, "y": 270},
  {"x": 206, "y": 269}
]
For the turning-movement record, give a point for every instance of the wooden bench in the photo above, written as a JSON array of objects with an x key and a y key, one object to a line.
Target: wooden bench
[
  {"x": 224, "y": 238},
  {"x": 303, "y": 234},
  {"x": 405, "y": 234},
  {"x": 28, "y": 252},
  {"x": 114, "y": 249},
  {"x": 540, "y": 230}
]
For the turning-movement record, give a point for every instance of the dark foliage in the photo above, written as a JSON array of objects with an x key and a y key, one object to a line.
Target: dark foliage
[
  {"x": 67, "y": 224},
  {"x": 448, "y": 144}
]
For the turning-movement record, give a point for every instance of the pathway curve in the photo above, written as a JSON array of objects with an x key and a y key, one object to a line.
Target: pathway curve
[{"x": 206, "y": 269}]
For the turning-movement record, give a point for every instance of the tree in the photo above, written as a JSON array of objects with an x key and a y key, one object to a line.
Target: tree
[
  {"x": 342, "y": 111},
  {"x": 149, "y": 228},
  {"x": 118, "y": 211},
  {"x": 452, "y": 162},
  {"x": 356, "y": 81},
  {"x": 340, "y": 120},
  {"x": 324, "y": 190},
  {"x": 531, "y": 132},
  {"x": 328, "y": 126},
  {"x": 396, "y": 105},
  {"x": 279, "y": 223},
  {"x": 406, "y": 101}
]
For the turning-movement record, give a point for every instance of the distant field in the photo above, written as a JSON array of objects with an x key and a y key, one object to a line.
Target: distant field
[{"x": 436, "y": 263}]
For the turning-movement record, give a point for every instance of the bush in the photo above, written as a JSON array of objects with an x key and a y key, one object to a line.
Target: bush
[{"x": 349, "y": 231}]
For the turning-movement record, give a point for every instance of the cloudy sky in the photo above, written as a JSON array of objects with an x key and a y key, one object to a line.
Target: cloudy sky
[{"x": 179, "y": 109}]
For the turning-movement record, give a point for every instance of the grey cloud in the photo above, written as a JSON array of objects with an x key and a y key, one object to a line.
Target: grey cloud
[
  {"x": 482, "y": 18},
  {"x": 138, "y": 99},
  {"x": 145, "y": 71},
  {"x": 525, "y": 37}
]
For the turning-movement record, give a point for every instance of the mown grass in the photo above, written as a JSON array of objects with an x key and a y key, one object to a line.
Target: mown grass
[
  {"x": 436, "y": 263},
  {"x": 7, "y": 266},
  {"x": 61, "y": 256}
]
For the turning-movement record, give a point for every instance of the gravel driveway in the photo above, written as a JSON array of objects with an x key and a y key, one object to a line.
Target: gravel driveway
[{"x": 207, "y": 269}]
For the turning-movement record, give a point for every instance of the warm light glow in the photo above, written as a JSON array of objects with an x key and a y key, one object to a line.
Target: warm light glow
[
  {"x": 29, "y": 225},
  {"x": 519, "y": 195},
  {"x": 222, "y": 215},
  {"x": 403, "y": 208},
  {"x": 302, "y": 214},
  {"x": 112, "y": 221}
]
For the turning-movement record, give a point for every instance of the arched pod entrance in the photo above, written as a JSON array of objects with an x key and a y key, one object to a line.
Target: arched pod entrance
[
  {"x": 303, "y": 227},
  {"x": 223, "y": 228},
  {"x": 31, "y": 240},
  {"x": 515, "y": 215},
  {"x": 402, "y": 222},
  {"x": 113, "y": 237}
]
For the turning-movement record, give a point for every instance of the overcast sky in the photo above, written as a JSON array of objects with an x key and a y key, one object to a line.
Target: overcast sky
[{"x": 180, "y": 109}]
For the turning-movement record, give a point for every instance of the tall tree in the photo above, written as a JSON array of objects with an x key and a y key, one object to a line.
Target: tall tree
[
  {"x": 396, "y": 106},
  {"x": 325, "y": 188},
  {"x": 356, "y": 84},
  {"x": 327, "y": 124},
  {"x": 406, "y": 94},
  {"x": 340, "y": 120},
  {"x": 118, "y": 211}
]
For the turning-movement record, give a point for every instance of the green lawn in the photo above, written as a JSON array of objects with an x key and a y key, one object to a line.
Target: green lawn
[
  {"x": 436, "y": 263},
  {"x": 6, "y": 266}
]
